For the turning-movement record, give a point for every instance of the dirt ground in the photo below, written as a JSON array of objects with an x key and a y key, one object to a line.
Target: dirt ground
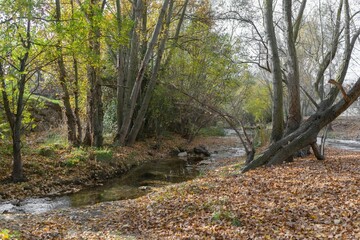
[{"x": 345, "y": 128}]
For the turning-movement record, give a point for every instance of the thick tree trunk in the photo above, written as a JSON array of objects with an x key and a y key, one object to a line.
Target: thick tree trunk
[
  {"x": 293, "y": 78},
  {"x": 277, "y": 109},
  {"x": 305, "y": 135}
]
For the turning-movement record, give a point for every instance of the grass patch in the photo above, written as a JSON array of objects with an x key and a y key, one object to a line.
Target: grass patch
[
  {"x": 227, "y": 216},
  {"x": 103, "y": 154},
  {"x": 76, "y": 156}
]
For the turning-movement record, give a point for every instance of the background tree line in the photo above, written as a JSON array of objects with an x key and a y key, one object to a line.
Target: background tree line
[{"x": 140, "y": 68}]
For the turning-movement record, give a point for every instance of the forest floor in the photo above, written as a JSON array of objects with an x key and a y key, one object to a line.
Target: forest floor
[{"x": 303, "y": 199}]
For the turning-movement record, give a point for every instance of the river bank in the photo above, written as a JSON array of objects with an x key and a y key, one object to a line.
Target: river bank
[
  {"x": 303, "y": 199},
  {"x": 60, "y": 170}
]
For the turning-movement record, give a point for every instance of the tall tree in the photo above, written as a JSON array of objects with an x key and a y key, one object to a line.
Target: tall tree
[
  {"x": 20, "y": 54},
  {"x": 292, "y": 74},
  {"x": 70, "y": 115},
  {"x": 135, "y": 90},
  {"x": 277, "y": 109},
  {"x": 327, "y": 111},
  {"x": 93, "y": 11}
]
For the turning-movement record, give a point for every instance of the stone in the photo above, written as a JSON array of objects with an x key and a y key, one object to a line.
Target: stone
[{"x": 183, "y": 154}]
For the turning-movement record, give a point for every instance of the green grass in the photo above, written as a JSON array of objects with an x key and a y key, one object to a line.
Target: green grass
[
  {"x": 76, "y": 156},
  {"x": 103, "y": 154}
]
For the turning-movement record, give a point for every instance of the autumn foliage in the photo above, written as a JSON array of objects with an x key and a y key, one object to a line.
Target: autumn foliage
[{"x": 305, "y": 199}]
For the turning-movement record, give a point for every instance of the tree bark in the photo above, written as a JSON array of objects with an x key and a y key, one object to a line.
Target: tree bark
[
  {"x": 305, "y": 135},
  {"x": 277, "y": 106},
  {"x": 140, "y": 76},
  {"x": 94, "y": 127},
  {"x": 292, "y": 76},
  {"x": 152, "y": 82},
  {"x": 71, "y": 120},
  {"x": 132, "y": 68}
]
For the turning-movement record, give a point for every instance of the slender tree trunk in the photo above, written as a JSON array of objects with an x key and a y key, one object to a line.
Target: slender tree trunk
[
  {"x": 120, "y": 67},
  {"x": 15, "y": 125},
  {"x": 293, "y": 78},
  {"x": 94, "y": 128},
  {"x": 152, "y": 82},
  {"x": 76, "y": 99},
  {"x": 17, "y": 173},
  {"x": 140, "y": 76},
  {"x": 71, "y": 121},
  {"x": 277, "y": 106},
  {"x": 132, "y": 67}
]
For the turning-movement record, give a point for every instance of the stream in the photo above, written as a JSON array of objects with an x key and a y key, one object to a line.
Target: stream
[
  {"x": 135, "y": 183},
  {"x": 139, "y": 181}
]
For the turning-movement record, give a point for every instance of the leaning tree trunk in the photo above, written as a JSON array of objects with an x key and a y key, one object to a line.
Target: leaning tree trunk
[
  {"x": 306, "y": 134},
  {"x": 152, "y": 82},
  {"x": 131, "y": 105}
]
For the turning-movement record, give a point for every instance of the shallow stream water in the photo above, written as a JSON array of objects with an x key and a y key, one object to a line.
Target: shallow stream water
[
  {"x": 139, "y": 181},
  {"x": 135, "y": 183}
]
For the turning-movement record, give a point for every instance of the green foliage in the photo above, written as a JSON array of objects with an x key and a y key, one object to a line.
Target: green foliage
[
  {"x": 47, "y": 151},
  {"x": 76, "y": 156},
  {"x": 259, "y": 105},
  {"x": 224, "y": 215},
  {"x": 6, "y": 234},
  {"x": 212, "y": 131},
  {"x": 56, "y": 140},
  {"x": 110, "y": 123},
  {"x": 103, "y": 154}
]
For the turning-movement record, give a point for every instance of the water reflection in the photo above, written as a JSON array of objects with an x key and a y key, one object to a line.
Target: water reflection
[{"x": 137, "y": 182}]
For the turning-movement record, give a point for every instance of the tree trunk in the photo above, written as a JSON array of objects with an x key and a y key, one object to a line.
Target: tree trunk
[
  {"x": 76, "y": 99},
  {"x": 305, "y": 135},
  {"x": 132, "y": 67},
  {"x": 15, "y": 125},
  {"x": 94, "y": 128},
  {"x": 277, "y": 106},
  {"x": 140, "y": 77},
  {"x": 71, "y": 121},
  {"x": 17, "y": 172},
  {"x": 152, "y": 82},
  {"x": 293, "y": 78}
]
